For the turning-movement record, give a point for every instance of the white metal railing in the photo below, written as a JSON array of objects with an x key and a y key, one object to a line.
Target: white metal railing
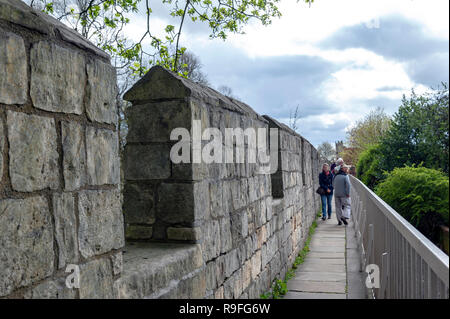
[{"x": 411, "y": 266}]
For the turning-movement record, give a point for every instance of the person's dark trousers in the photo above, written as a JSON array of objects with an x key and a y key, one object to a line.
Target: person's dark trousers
[{"x": 326, "y": 205}]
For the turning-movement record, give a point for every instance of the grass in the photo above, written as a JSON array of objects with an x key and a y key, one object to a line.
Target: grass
[{"x": 279, "y": 287}]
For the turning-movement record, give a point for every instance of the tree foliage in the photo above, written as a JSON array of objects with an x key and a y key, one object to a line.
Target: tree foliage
[
  {"x": 417, "y": 193},
  {"x": 366, "y": 132},
  {"x": 368, "y": 168},
  {"x": 103, "y": 22},
  {"x": 227, "y": 91},
  {"x": 419, "y": 132}
]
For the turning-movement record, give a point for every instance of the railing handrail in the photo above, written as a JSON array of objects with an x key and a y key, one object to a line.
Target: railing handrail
[{"x": 437, "y": 260}]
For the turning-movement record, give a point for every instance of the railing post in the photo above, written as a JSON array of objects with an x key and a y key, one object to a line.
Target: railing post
[
  {"x": 370, "y": 244},
  {"x": 384, "y": 291}
]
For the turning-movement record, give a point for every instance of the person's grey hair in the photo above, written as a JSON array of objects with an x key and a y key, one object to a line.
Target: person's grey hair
[{"x": 340, "y": 161}]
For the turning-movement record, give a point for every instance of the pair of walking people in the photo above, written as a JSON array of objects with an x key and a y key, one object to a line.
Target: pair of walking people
[{"x": 337, "y": 183}]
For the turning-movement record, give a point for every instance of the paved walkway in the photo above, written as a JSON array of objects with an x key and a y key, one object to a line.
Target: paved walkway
[{"x": 331, "y": 268}]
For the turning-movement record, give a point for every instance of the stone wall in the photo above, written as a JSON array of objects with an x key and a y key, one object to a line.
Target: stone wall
[
  {"x": 223, "y": 213},
  {"x": 59, "y": 159},
  {"x": 220, "y": 230}
]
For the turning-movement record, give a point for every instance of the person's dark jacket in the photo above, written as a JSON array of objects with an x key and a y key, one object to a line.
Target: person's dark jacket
[{"x": 326, "y": 182}]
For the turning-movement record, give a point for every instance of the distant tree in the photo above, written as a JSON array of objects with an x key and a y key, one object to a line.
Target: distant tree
[
  {"x": 326, "y": 151},
  {"x": 366, "y": 132},
  {"x": 227, "y": 91},
  {"x": 419, "y": 132},
  {"x": 191, "y": 66},
  {"x": 294, "y": 116}
]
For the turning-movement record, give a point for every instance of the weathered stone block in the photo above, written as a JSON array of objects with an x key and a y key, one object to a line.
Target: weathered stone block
[
  {"x": 2, "y": 145},
  {"x": 58, "y": 77},
  {"x": 96, "y": 280},
  {"x": 138, "y": 232},
  {"x": 237, "y": 283},
  {"x": 101, "y": 222},
  {"x": 193, "y": 287},
  {"x": 226, "y": 242},
  {"x": 246, "y": 274},
  {"x": 117, "y": 263},
  {"x": 227, "y": 199},
  {"x": 51, "y": 289},
  {"x": 139, "y": 203},
  {"x": 269, "y": 207},
  {"x": 216, "y": 199},
  {"x": 153, "y": 122},
  {"x": 228, "y": 288},
  {"x": 190, "y": 171},
  {"x": 211, "y": 244},
  {"x": 250, "y": 246},
  {"x": 183, "y": 233},
  {"x": 236, "y": 195},
  {"x": 101, "y": 92},
  {"x": 26, "y": 241},
  {"x": 202, "y": 204},
  {"x": 256, "y": 264},
  {"x": 74, "y": 155},
  {"x": 261, "y": 235},
  {"x": 183, "y": 202},
  {"x": 231, "y": 262},
  {"x": 261, "y": 214},
  {"x": 210, "y": 270},
  {"x": 65, "y": 228},
  {"x": 13, "y": 69},
  {"x": 102, "y": 156},
  {"x": 239, "y": 227},
  {"x": 146, "y": 162},
  {"x": 176, "y": 203},
  {"x": 151, "y": 267},
  {"x": 242, "y": 253},
  {"x": 33, "y": 154},
  {"x": 219, "y": 293}
]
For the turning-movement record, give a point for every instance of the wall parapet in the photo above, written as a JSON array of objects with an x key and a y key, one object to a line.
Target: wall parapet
[
  {"x": 59, "y": 160},
  {"x": 246, "y": 238},
  {"x": 193, "y": 230}
]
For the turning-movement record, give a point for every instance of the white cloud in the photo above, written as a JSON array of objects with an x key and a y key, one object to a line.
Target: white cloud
[
  {"x": 302, "y": 25},
  {"x": 360, "y": 78}
]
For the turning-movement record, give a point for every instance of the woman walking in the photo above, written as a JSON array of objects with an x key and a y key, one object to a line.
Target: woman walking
[{"x": 326, "y": 183}]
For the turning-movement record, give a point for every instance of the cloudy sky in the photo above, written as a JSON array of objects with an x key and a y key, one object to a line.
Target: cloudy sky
[{"x": 336, "y": 60}]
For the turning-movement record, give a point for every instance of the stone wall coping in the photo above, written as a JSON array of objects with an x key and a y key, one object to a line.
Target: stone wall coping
[
  {"x": 19, "y": 13},
  {"x": 161, "y": 84},
  {"x": 143, "y": 262},
  {"x": 284, "y": 127}
]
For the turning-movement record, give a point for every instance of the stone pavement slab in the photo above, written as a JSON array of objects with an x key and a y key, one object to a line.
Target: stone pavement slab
[
  {"x": 320, "y": 276},
  {"x": 317, "y": 286},
  {"x": 325, "y": 255},
  {"x": 329, "y": 261},
  {"x": 323, "y": 267},
  {"x": 331, "y": 267},
  {"x": 312, "y": 295}
]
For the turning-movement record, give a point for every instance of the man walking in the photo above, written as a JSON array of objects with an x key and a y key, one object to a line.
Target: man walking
[{"x": 341, "y": 186}]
